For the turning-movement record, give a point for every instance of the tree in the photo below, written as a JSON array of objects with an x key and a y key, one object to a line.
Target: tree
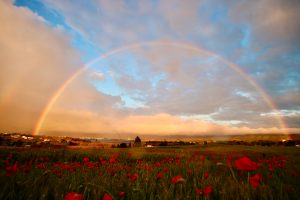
[
  {"x": 137, "y": 142},
  {"x": 123, "y": 145}
]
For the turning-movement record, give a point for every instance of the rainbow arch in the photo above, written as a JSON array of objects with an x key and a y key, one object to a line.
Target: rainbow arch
[{"x": 187, "y": 46}]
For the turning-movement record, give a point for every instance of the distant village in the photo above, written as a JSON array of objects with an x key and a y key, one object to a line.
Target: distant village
[{"x": 25, "y": 140}]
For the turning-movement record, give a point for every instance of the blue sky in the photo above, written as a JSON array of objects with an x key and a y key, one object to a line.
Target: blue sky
[{"x": 150, "y": 82}]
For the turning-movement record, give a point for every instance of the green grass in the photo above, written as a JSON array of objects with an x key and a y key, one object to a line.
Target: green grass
[{"x": 93, "y": 179}]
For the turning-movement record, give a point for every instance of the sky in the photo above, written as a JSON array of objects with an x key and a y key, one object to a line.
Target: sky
[{"x": 158, "y": 67}]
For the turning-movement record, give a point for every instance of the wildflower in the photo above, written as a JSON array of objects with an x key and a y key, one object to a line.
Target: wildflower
[
  {"x": 271, "y": 168},
  {"x": 202, "y": 158},
  {"x": 255, "y": 180},
  {"x": 6, "y": 162},
  {"x": 86, "y": 159},
  {"x": 166, "y": 170},
  {"x": 26, "y": 168},
  {"x": 73, "y": 196},
  {"x": 229, "y": 157},
  {"x": 177, "y": 179},
  {"x": 229, "y": 160},
  {"x": 159, "y": 176},
  {"x": 134, "y": 177},
  {"x": 11, "y": 169},
  {"x": 106, "y": 197},
  {"x": 199, "y": 191},
  {"x": 122, "y": 194},
  {"x": 157, "y": 164},
  {"x": 206, "y": 191},
  {"x": 205, "y": 175},
  {"x": 112, "y": 160},
  {"x": 245, "y": 164},
  {"x": 111, "y": 172},
  {"x": 147, "y": 167},
  {"x": 40, "y": 166},
  {"x": 189, "y": 170},
  {"x": 259, "y": 165},
  {"x": 66, "y": 167}
]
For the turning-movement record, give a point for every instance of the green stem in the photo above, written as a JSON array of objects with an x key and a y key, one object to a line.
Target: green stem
[{"x": 233, "y": 175}]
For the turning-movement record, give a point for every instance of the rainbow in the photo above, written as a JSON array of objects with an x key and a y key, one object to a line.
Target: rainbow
[{"x": 187, "y": 46}]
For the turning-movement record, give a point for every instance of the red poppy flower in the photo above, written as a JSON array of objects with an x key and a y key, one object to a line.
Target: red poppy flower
[
  {"x": 271, "y": 168},
  {"x": 6, "y": 162},
  {"x": 245, "y": 164},
  {"x": 73, "y": 196},
  {"x": 255, "y": 180},
  {"x": 177, "y": 179},
  {"x": 112, "y": 160},
  {"x": 40, "y": 166},
  {"x": 106, "y": 197},
  {"x": 12, "y": 169},
  {"x": 166, "y": 170},
  {"x": 199, "y": 191},
  {"x": 86, "y": 159},
  {"x": 26, "y": 168},
  {"x": 205, "y": 175},
  {"x": 207, "y": 190},
  {"x": 229, "y": 160},
  {"x": 147, "y": 167},
  {"x": 229, "y": 157},
  {"x": 122, "y": 194},
  {"x": 202, "y": 158},
  {"x": 159, "y": 176},
  {"x": 134, "y": 177}
]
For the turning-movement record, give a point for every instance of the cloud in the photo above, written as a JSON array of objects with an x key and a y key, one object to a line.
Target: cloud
[
  {"x": 81, "y": 95},
  {"x": 35, "y": 59},
  {"x": 90, "y": 122},
  {"x": 166, "y": 124},
  {"x": 185, "y": 81},
  {"x": 77, "y": 122},
  {"x": 181, "y": 17},
  {"x": 102, "y": 21},
  {"x": 97, "y": 76},
  {"x": 85, "y": 122},
  {"x": 272, "y": 21},
  {"x": 288, "y": 100}
]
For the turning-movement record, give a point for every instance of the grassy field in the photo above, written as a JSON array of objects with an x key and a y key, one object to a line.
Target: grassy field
[{"x": 188, "y": 172}]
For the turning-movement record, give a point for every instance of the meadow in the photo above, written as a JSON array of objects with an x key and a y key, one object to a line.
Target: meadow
[{"x": 187, "y": 172}]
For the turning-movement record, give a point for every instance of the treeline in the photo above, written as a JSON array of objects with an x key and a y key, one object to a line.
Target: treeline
[{"x": 265, "y": 143}]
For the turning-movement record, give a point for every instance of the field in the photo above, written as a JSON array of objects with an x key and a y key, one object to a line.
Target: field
[{"x": 189, "y": 172}]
